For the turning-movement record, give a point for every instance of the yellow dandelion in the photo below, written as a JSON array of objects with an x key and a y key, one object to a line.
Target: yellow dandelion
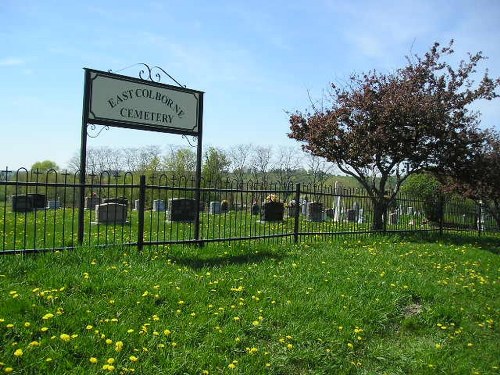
[
  {"x": 18, "y": 353},
  {"x": 438, "y": 346},
  {"x": 119, "y": 346},
  {"x": 44, "y": 329},
  {"x": 48, "y": 316},
  {"x": 350, "y": 345},
  {"x": 109, "y": 341},
  {"x": 65, "y": 337},
  {"x": 167, "y": 332},
  {"x": 231, "y": 366},
  {"x": 93, "y": 360},
  {"x": 133, "y": 358},
  {"x": 89, "y": 327},
  {"x": 27, "y": 324},
  {"x": 34, "y": 343},
  {"x": 8, "y": 370}
]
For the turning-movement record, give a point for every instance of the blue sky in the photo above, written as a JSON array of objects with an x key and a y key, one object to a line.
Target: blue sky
[{"x": 254, "y": 60}]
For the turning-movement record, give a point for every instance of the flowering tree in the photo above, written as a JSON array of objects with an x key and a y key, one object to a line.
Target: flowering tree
[
  {"x": 381, "y": 128},
  {"x": 478, "y": 177}
]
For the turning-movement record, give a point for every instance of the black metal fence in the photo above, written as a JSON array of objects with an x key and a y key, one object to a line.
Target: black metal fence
[{"x": 40, "y": 211}]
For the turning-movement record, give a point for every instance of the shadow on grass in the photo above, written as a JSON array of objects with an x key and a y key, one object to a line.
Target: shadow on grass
[
  {"x": 197, "y": 262},
  {"x": 487, "y": 241}
]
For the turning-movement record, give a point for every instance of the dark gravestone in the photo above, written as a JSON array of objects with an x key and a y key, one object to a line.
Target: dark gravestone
[
  {"x": 330, "y": 212},
  {"x": 39, "y": 201},
  {"x": 182, "y": 209},
  {"x": 22, "y": 203},
  {"x": 114, "y": 213},
  {"x": 255, "y": 209},
  {"x": 273, "y": 211},
  {"x": 119, "y": 200},
  {"x": 315, "y": 211},
  {"x": 351, "y": 215}
]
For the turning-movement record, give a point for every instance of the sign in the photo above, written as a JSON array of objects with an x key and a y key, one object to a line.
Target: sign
[{"x": 127, "y": 102}]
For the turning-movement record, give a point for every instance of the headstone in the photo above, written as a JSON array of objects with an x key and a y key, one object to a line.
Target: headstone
[
  {"x": 214, "y": 208},
  {"x": 351, "y": 215},
  {"x": 393, "y": 218},
  {"x": 315, "y": 211},
  {"x": 361, "y": 218},
  {"x": 136, "y": 205},
  {"x": 39, "y": 201},
  {"x": 22, "y": 203},
  {"x": 181, "y": 209},
  {"x": 409, "y": 210},
  {"x": 53, "y": 204},
  {"x": 91, "y": 202},
  {"x": 119, "y": 200},
  {"x": 273, "y": 211},
  {"x": 224, "y": 206},
  {"x": 305, "y": 205},
  {"x": 255, "y": 209},
  {"x": 330, "y": 212},
  {"x": 158, "y": 205},
  {"x": 111, "y": 213}
]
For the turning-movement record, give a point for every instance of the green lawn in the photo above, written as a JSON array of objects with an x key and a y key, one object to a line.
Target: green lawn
[{"x": 374, "y": 305}]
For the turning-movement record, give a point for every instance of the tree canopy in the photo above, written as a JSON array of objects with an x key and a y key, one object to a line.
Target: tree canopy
[{"x": 382, "y": 125}]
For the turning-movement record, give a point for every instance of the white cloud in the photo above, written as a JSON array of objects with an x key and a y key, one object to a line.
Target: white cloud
[{"x": 11, "y": 61}]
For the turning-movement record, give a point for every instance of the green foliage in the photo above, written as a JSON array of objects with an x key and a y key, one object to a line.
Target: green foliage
[
  {"x": 425, "y": 187},
  {"x": 374, "y": 305},
  {"x": 44, "y": 166}
]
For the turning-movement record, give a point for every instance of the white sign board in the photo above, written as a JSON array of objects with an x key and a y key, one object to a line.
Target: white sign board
[{"x": 122, "y": 101}]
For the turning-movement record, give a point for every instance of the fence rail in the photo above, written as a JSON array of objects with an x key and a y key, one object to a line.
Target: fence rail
[{"x": 40, "y": 212}]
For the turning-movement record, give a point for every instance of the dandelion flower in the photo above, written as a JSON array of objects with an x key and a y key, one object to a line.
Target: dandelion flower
[
  {"x": 93, "y": 360},
  {"x": 34, "y": 343},
  {"x": 133, "y": 358},
  {"x": 109, "y": 341},
  {"x": 119, "y": 346},
  {"x": 18, "y": 353},
  {"x": 8, "y": 370},
  {"x": 48, "y": 316},
  {"x": 65, "y": 337}
]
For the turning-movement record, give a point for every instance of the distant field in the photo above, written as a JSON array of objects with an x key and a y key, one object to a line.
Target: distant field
[{"x": 361, "y": 306}]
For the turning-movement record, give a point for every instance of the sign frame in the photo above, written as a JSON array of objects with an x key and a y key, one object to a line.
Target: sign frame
[{"x": 159, "y": 96}]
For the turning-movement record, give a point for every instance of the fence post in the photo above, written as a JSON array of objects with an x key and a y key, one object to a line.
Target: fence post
[
  {"x": 140, "y": 212},
  {"x": 441, "y": 215},
  {"x": 296, "y": 214},
  {"x": 479, "y": 216}
]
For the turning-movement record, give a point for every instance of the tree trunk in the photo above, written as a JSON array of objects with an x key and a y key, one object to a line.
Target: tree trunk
[{"x": 379, "y": 212}]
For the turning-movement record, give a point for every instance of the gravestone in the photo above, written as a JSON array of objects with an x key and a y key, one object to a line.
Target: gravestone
[
  {"x": 136, "y": 205},
  {"x": 393, "y": 218},
  {"x": 361, "y": 218},
  {"x": 315, "y": 211},
  {"x": 214, "y": 208},
  {"x": 255, "y": 209},
  {"x": 330, "y": 212},
  {"x": 91, "y": 202},
  {"x": 39, "y": 201},
  {"x": 182, "y": 210},
  {"x": 22, "y": 203},
  {"x": 351, "y": 215},
  {"x": 409, "y": 210},
  {"x": 111, "y": 213},
  {"x": 53, "y": 204},
  {"x": 119, "y": 200},
  {"x": 159, "y": 205},
  {"x": 273, "y": 211}
]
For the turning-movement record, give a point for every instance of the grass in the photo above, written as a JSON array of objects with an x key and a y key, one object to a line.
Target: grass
[{"x": 374, "y": 305}]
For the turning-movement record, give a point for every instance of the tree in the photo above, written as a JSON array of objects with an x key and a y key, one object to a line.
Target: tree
[
  {"x": 239, "y": 156},
  {"x": 385, "y": 127},
  {"x": 430, "y": 191},
  {"x": 478, "y": 178},
  {"x": 260, "y": 162},
  {"x": 181, "y": 162},
  {"x": 215, "y": 164},
  {"x": 44, "y": 166}
]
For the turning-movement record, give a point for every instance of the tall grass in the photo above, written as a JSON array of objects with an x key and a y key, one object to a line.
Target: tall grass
[{"x": 370, "y": 305}]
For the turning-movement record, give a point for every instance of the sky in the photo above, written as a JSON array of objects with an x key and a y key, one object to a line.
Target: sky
[{"x": 254, "y": 60}]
